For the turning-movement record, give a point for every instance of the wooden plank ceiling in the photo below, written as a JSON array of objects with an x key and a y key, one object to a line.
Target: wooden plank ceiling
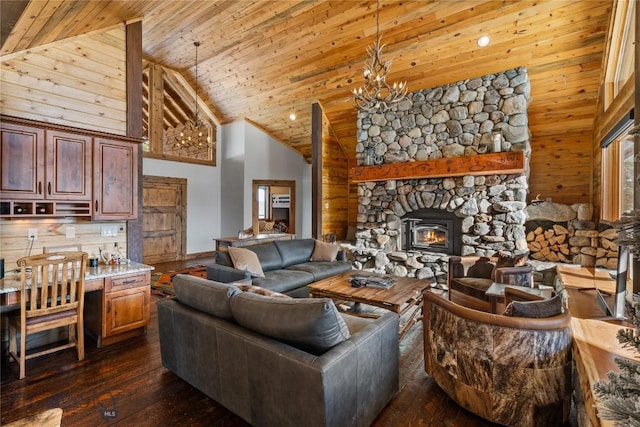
[{"x": 262, "y": 60}]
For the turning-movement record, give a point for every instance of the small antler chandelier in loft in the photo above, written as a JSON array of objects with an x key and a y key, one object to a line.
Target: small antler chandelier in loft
[
  {"x": 376, "y": 93},
  {"x": 195, "y": 132}
]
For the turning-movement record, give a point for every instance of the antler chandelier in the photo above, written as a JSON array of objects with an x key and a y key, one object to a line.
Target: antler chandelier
[
  {"x": 195, "y": 132},
  {"x": 376, "y": 93}
]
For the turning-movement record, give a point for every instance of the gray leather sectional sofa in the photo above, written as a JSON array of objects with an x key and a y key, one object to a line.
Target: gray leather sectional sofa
[
  {"x": 286, "y": 264},
  {"x": 278, "y": 361}
]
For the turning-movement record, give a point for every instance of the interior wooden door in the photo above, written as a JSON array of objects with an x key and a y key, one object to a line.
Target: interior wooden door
[{"x": 164, "y": 209}]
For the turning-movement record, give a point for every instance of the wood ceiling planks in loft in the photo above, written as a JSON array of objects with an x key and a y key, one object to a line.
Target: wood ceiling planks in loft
[{"x": 263, "y": 60}]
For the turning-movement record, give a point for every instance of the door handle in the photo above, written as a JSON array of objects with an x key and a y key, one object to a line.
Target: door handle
[
  {"x": 96, "y": 206},
  {"x": 39, "y": 187},
  {"x": 108, "y": 306},
  {"x": 49, "y": 188}
]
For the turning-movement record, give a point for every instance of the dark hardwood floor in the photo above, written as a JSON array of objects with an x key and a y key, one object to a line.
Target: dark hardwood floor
[{"x": 125, "y": 384}]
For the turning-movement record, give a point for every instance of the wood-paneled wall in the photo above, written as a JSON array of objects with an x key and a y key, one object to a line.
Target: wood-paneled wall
[
  {"x": 335, "y": 184},
  {"x": 52, "y": 232},
  {"x": 78, "y": 82}
]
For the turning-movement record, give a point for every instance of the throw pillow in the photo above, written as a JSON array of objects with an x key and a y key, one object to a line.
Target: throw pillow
[
  {"x": 535, "y": 309},
  {"x": 260, "y": 290},
  {"x": 205, "y": 295},
  {"x": 244, "y": 259},
  {"x": 268, "y": 225},
  {"x": 324, "y": 251},
  {"x": 313, "y": 325},
  {"x": 506, "y": 260}
]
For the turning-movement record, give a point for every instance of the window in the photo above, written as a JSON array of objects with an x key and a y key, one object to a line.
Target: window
[
  {"x": 617, "y": 177},
  {"x": 263, "y": 201},
  {"x": 620, "y": 63}
]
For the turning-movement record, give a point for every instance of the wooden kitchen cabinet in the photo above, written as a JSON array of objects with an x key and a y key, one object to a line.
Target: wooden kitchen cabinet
[
  {"x": 115, "y": 180},
  {"x": 68, "y": 170},
  {"x": 49, "y": 170},
  {"x": 22, "y": 164},
  {"x": 121, "y": 310},
  {"x": 40, "y": 164}
]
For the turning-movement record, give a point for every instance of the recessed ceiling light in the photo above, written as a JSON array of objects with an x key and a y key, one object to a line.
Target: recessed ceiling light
[
  {"x": 292, "y": 116},
  {"x": 483, "y": 41}
]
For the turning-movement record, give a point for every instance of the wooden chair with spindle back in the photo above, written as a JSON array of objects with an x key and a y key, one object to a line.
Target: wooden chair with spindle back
[{"x": 51, "y": 296}]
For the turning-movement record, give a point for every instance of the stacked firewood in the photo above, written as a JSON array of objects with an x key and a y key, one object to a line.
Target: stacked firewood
[
  {"x": 550, "y": 245},
  {"x": 587, "y": 248}
]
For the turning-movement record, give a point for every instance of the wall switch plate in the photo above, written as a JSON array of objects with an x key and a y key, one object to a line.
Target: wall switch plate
[
  {"x": 109, "y": 230},
  {"x": 32, "y": 234},
  {"x": 70, "y": 232}
]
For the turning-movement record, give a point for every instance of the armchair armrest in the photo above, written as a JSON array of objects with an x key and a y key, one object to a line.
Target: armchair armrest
[{"x": 223, "y": 274}]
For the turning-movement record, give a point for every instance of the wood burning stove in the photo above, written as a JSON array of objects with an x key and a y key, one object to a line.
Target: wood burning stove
[{"x": 432, "y": 230}]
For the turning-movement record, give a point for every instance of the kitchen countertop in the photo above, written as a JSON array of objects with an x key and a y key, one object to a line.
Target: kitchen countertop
[{"x": 11, "y": 281}]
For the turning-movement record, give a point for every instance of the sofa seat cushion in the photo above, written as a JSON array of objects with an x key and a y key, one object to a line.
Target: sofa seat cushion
[
  {"x": 322, "y": 269},
  {"x": 283, "y": 280},
  {"x": 313, "y": 325},
  {"x": 205, "y": 295},
  {"x": 473, "y": 286},
  {"x": 295, "y": 251}
]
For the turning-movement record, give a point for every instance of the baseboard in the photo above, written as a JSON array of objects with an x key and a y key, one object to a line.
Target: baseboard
[{"x": 208, "y": 254}]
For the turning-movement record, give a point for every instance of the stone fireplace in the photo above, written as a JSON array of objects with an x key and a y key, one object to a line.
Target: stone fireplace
[
  {"x": 483, "y": 213},
  {"x": 432, "y": 230}
]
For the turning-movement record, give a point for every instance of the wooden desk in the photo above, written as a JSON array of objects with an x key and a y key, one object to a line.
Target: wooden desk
[
  {"x": 117, "y": 300},
  {"x": 223, "y": 242},
  {"x": 594, "y": 340}
]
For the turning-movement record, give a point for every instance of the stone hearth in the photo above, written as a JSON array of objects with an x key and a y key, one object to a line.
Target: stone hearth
[{"x": 450, "y": 121}]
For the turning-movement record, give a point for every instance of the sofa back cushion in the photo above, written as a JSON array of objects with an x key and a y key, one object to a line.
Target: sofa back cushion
[
  {"x": 205, "y": 295},
  {"x": 295, "y": 251},
  {"x": 268, "y": 255},
  {"x": 313, "y": 325},
  {"x": 223, "y": 258}
]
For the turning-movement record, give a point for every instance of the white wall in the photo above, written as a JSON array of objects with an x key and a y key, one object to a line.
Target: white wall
[
  {"x": 203, "y": 199},
  {"x": 232, "y": 155},
  {"x": 266, "y": 159}
]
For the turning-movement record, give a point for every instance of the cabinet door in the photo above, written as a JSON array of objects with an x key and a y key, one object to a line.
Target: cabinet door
[
  {"x": 21, "y": 162},
  {"x": 126, "y": 310},
  {"x": 115, "y": 180},
  {"x": 68, "y": 173}
]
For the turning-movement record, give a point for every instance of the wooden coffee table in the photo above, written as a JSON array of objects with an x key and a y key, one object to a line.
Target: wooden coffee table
[{"x": 404, "y": 297}]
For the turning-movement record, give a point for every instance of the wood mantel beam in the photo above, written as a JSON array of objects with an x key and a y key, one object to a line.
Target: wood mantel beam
[{"x": 509, "y": 162}]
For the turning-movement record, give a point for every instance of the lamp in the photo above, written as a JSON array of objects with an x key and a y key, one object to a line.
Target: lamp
[
  {"x": 194, "y": 133},
  {"x": 376, "y": 93}
]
